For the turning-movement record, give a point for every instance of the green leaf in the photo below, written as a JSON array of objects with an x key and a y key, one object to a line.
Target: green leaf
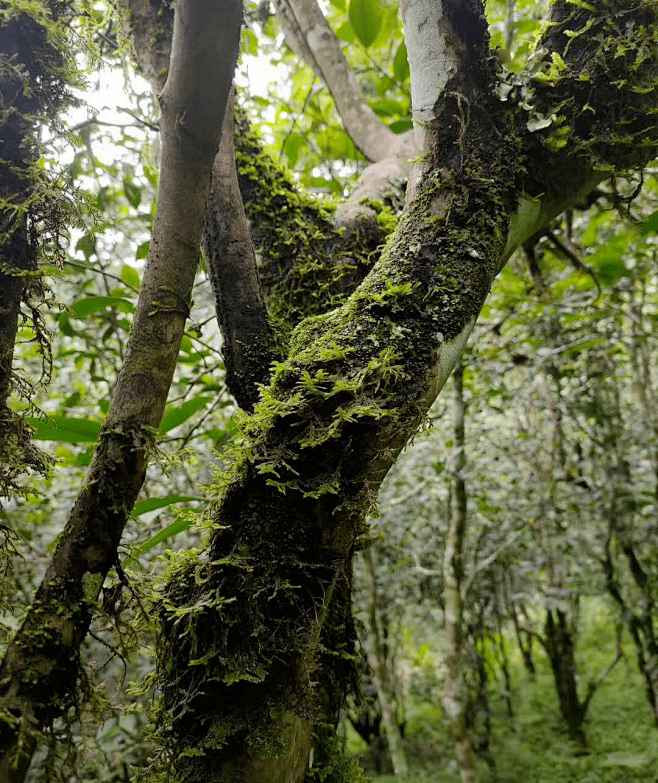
[
  {"x": 143, "y": 250},
  {"x": 83, "y": 308},
  {"x": 176, "y": 415},
  {"x": 401, "y": 126},
  {"x": 169, "y": 532},
  {"x": 650, "y": 225},
  {"x": 366, "y": 20},
  {"x": 345, "y": 33},
  {"x": 401, "y": 63},
  {"x": 153, "y": 504},
  {"x": 65, "y": 325},
  {"x": 340, "y": 4},
  {"x": 130, "y": 276},
  {"x": 249, "y": 42},
  {"x": 87, "y": 245},
  {"x": 65, "y": 429},
  {"x": 132, "y": 193},
  {"x": 612, "y": 269},
  {"x": 387, "y": 107},
  {"x": 291, "y": 148},
  {"x": 608, "y": 261}
]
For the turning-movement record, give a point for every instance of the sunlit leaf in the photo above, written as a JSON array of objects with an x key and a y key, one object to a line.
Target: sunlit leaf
[
  {"x": 291, "y": 148},
  {"x": 143, "y": 250},
  {"x": 366, "y": 20},
  {"x": 130, "y": 276},
  {"x": 400, "y": 63},
  {"x": 346, "y": 33}
]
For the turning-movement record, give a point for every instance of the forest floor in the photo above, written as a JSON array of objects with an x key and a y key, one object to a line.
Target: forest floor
[{"x": 532, "y": 746}]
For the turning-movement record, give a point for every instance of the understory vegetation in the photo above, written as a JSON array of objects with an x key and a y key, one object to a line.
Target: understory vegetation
[{"x": 533, "y": 744}]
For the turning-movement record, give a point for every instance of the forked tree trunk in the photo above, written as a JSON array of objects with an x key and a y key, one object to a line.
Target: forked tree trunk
[{"x": 241, "y": 627}]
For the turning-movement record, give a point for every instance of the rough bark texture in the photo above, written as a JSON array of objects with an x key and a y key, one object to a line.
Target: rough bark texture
[
  {"x": 240, "y": 626},
  {"x": 39, "y": 671},
  {"x": 229, "y": 254},
  {"x": 33, "y": 88}
]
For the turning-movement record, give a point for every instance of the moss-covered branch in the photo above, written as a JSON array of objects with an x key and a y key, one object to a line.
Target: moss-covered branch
[{"x": 307, "y": 263}]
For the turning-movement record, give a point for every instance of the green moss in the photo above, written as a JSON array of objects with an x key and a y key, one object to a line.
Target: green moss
[
  {"x": 37, "y": 68},
  {"x": 609, "y": 50},
  {"x": 306, "y": 264}
]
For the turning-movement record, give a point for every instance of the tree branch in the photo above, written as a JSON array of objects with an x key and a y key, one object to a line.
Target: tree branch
[
  {"x": 358, "y": 381},
  {"x": 229, "y": 253},
  {"x": 310, "y": 36}
]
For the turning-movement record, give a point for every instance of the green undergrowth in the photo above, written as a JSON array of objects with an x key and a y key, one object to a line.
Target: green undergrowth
[{"x": 532, "y": 747}]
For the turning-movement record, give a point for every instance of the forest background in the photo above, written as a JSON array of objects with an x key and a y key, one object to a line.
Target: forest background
[{"x": 505, "y": 590}]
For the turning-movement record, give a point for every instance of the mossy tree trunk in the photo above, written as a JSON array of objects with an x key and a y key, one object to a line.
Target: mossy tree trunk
[
  {"x": 241, "y": 627},
  {"x": 34, "y": 81}
]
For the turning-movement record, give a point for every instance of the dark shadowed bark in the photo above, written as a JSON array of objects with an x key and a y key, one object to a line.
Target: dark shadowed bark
[
  {"x": 247, "y": 341},
  {"x": 33, "y": 89}
]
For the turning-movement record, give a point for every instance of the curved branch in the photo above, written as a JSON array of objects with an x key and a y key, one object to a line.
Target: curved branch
[{"x": 310, "y": 36}]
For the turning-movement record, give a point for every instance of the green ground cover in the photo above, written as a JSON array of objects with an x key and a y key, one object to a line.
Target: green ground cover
[{"x": 533, "y": 747}]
